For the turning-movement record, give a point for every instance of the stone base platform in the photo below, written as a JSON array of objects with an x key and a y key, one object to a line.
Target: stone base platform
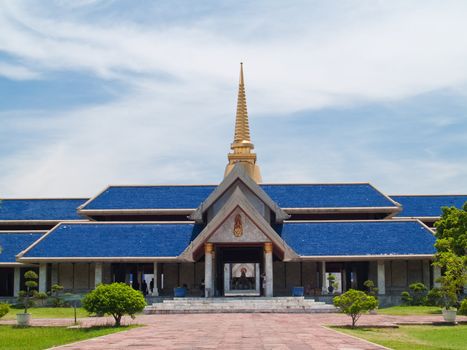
[{"x": 239, "y": 305}]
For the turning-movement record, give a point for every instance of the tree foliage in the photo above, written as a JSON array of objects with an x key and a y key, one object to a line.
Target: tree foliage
[
  {"x": 354, "y": 303},
  {"x": 31, "y": 285},
  {"x": 451, "y": 231},
  {"x": 451, "y": 244},
  {"x": 116, "y": 299},
  {"x": 416, "y": 296}
]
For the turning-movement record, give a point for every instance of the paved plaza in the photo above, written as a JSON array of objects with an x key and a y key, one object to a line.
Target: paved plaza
[{"x": 234, "y": 331}]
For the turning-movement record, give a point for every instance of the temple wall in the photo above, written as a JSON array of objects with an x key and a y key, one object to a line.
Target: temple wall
[
  {"x": 295, "y": 274},
  {"x": 170, "y": 277},
  {"x": 65, "y": 275},
  {"x": 187, "y": 275},
  {"x": 106, "y": 273},
  {"x": 401, "y": 273}
]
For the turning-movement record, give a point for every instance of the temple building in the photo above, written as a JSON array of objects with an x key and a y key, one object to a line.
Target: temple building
[{"x": 241, "y": 237}]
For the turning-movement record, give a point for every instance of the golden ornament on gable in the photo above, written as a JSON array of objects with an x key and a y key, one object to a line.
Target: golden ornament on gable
[{"x": 238, "y": 226}]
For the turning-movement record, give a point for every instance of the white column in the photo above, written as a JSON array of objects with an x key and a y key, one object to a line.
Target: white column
[
  {"x": 381, "y": 273},
  {"x": 323, "y": 278},
  {"x": 226, "y": 278},
  {"x": 97, "y": 274},
  {"x": 436, "y": 275},
  {"x": 155, "y": 291},
  {"x": 43, "y": 277},
  {"x": 257, "y": 279},
  {"x": 208, "y": 285},
  {"x": 268, "y": 269},
  {"x": 16, "y": 281},
  {"x": 426, "y": 273}
]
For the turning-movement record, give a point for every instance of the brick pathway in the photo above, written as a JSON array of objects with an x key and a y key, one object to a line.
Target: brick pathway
[{"x": 234, "y": 331}]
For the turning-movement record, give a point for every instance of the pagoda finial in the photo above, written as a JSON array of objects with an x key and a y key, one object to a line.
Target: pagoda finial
[
  {"x": 242, "y": 127},
  {"x": 242, "y": 147}
]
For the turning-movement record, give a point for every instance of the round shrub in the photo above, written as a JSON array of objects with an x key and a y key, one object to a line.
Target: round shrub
[
  {"x": 354, "y": 303},
  {"x": 4, "y": 309},
  {"x": 116, "y": 299}
]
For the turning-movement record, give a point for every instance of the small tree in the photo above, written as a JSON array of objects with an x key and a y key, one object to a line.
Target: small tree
[
  {"x": 371, "y": 289},
  {"x": 416, "y": 296},
  {"x": 453, "y": 280},
  {"x": 354, "y": 303},
  {"x": 31, "y": 284},
  {"x": 56, "y": 290},
  {"x": 116, "y": 299}
]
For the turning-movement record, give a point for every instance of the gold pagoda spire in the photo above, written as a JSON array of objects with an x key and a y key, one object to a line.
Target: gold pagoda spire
[
  {"x": 242, "y": 128},
  {"x": 242, "y": 147}
]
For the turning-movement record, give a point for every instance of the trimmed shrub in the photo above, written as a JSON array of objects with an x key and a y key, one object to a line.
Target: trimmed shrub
[
  {"x": 41, "y": 297},
  {"x": 354, "y": 303},
  {"x": 116, "y": 299},
  {"x": 416, "y": 296},
  {"x": 4, "y": 309}
]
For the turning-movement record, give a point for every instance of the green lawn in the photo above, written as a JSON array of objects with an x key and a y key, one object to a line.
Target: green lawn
[
  {"x": 32, "y": 338},
  {"x": 414, "y": 337},
  {"x": 410, "y": 310},
  {"x": 47, "y": 312}
]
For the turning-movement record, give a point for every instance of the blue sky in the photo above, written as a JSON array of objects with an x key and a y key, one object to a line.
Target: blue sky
[{"x": 121, "y": 92}]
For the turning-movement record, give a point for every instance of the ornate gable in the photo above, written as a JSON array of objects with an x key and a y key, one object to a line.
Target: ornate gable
[{"x": 238, "y": 221}]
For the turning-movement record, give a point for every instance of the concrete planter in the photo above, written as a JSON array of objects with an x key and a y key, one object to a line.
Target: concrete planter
[
  {"x": 23, "y": 320},
  {"x": 449, "y": 315}
]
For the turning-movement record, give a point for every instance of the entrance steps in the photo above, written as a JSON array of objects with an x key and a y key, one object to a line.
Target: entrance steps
[{"x": 239, "y": 305}]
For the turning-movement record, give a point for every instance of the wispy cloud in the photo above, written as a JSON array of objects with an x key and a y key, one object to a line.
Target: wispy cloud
[{"x": 178, "y": 63}]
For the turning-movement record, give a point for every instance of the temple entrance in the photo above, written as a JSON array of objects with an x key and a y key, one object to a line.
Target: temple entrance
[
  {"x": 242, "y": 279},
  {"x": 239, "y": 271}
]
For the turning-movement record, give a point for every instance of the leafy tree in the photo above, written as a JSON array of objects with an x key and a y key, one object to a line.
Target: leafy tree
[
  {"x": 453, "y": 279},
  {"x": 451, "y": 231},
  {"x": 116, "y": 299},
  {"x": 31, "y": 284},
  {"x": 434, "y": 297},
  {"x": 354, "y": 303},
  {"x": 451, "y": 244},
  {"x": 4, "y": 309}
]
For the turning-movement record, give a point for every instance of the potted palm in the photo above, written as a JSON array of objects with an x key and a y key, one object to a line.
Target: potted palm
[{"x": 24, "y": 319}]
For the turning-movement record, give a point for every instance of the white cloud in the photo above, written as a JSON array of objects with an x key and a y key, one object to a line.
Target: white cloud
[
  {"x": 174, "y": 123},
  {"x": 16, "y": 72}
]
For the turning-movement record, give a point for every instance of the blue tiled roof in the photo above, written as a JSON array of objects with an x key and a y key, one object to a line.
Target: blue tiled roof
[
  {"x": 358, "y": 238},
  {"x": 285, "y": 195},
  {"x": 12, "y": 243},
  {"x": 326, "y": 196},
  {"x": 423, "y": 206},
  {"x": 115, "y": 240},
  {"x": 151, "y": 197},
  {"x": 40, "y": 209}
]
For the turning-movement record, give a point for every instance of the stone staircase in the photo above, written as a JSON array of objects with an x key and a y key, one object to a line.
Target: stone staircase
[{"x": 238, "y": 305}]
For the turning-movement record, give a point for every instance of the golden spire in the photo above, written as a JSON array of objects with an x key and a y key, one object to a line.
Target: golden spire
[
  {"x": 242, "y": 128},
  {"x": 242, "y": 147}
]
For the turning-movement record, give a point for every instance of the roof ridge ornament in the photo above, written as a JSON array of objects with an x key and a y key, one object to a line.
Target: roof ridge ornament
[{"x": 242, "y": 146}]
